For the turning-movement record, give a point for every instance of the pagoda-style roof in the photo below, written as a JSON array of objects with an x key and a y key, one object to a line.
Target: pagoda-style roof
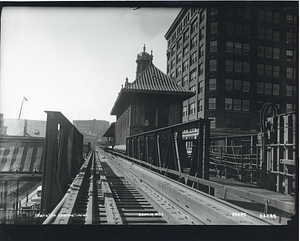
[{"x": 151, "y": 81}]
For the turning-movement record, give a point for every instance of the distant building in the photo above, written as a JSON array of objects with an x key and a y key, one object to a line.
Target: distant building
[
  {"x": 152, "y": 101},
  {"x": 235, "y": 59},
  {"x": 22, "y": 127},
  {"x": 91, "y": 129}
]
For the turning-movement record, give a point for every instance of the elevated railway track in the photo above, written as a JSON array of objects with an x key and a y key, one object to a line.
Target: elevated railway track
[{"x": 110, "y": 190}]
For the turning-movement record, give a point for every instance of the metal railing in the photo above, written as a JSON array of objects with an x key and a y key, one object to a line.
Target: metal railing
[{"x": 238, "y": 162}]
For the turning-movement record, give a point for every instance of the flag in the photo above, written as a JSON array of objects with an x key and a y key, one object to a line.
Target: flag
[{"x": 25, "y": 98}]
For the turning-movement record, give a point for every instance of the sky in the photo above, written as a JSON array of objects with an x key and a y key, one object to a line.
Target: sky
[{"x": 75, "y": 60}]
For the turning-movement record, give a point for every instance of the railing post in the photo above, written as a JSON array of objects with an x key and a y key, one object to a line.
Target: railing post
[
  {"x": 221, "y": 162},
  {"x": 242, "y": 163}
]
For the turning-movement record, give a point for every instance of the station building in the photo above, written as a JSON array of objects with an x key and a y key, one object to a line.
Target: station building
[
  {"x": 152, "y": 101},
  {"x": 235, "y": 59}
]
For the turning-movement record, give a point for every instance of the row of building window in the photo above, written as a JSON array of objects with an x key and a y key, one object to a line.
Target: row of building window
[
  {"x": 268, "y": 88},
  {"x": 237, "y": 48},
  {"x": 237, "y": 66},
  {"x": 231, "y": 104},
  {"x": 268, "y": 16}
]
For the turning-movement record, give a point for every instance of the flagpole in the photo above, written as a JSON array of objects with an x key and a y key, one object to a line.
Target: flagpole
[{"x": 21, "y": 108}]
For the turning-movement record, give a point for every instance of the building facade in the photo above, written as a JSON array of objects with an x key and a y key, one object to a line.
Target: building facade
[
  {"x": 92, "y": 129},
  {"x": 235, "y": 59},
  {"x": 152, "y": 101}
]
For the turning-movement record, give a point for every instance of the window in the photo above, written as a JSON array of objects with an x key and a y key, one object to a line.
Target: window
[
  {"x": 260, "y": 51},
  {"x": 185, "y": 50},
  {"x": 247, "y": 13},
  {"x": 186, "y": 35},
  {"x": 214, "y": 27},
  {"x": 237, "y": 67},
  {"x": 238, "y": 48},
  {"x": 228, "y": 84},
  {"x": 185, "y": 65},
  {"x": 260, "y": 88},
  {"x": 246, "y": 86},
  {"x": 276, "y": 53},
  {"x": 193, "y": 88},
  {"x": 230, "y": 28},
  {"x": 238, "y": 30},
  {"x": 268, "y": 88},
  {"x": 261, "y": 33},
  {"x": 268, "y": 70},
  {"x": 214, "y": 11},
  {"x": 268, "y": 16},
  {"x": 260, "y": 69},
  {"x": 290, "y": 73},
  {"x": 268, "y": 34},
  {"x": 276, "y": 70},
  {"x": 212, "y": 103},
  {"x": 290, "y": 55},
  {"x": 213, "y": 65},
  {"x": 275, "y": 89},
  {"x": 192, "y": 108},
  {"x": 179, "y": 44},
  {"x": 194, "y": 25},
  {"x": 237, "y": 104},
  {"x": 229, "y": 47},
  {"x": 194, "y": 41},
  {"x": 193, "y": 58},
  {"x": 201, "y": 50},
  {"x": 184, "y": 111},
  {"x": 289, "y": 18},
  {"x": 173, "y": 50},
  {"x": 246, "y": 67},
  {"x": 184, "y": 80},
  {"x": 276, "y": 36},
  {"x": 173, "y": 75},
  {"x": 172, "y": 63},
  {"x": 229, "y": 65},
  {"x": 201, "y": 71},
  {"x": 247, "y": 31},
  {"x": 276, "y": 17},
  {"x": 213, "y": 46},
  {"x": 290, "y": 107},
  {"x": 212, "y": 84},
  {"x": 228, "y": 104},
  {"x": 237, "y": 85},
  {"x": 268, "y": 52},
  {"x": 201, "y": 86},
  {"x": 179, "y": 56},
  {"x": 212, "y": 122},
  {"x": 201, "y": 33},
  {"x": 246, "y": 48},
  {"x": 289, "y": 90},
  {"x": 193, "y": 74},
  {"x": 246, "y": 105},
  {"x": 178, "y": 71},
  {"x": 200, "y": 105}
]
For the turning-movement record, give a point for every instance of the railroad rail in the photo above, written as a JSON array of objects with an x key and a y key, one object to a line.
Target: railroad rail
[{"x": 110, "y": 190}]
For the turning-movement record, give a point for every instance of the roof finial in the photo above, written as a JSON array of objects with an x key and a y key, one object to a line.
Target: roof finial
[
  {"x": 151, "y": 55},
  {"x": 144, "y": 48}
]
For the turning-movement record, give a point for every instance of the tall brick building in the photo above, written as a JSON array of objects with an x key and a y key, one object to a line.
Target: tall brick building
[{"x": 235, "y": 59}]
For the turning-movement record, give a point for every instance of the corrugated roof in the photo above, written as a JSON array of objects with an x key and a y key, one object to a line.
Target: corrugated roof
[{"x": 152, "y": 79}]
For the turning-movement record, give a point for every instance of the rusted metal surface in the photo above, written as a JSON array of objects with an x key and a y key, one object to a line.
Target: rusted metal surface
[
  {"x": 165, "y": 149},
  {"x": 62, "y": 159}
]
